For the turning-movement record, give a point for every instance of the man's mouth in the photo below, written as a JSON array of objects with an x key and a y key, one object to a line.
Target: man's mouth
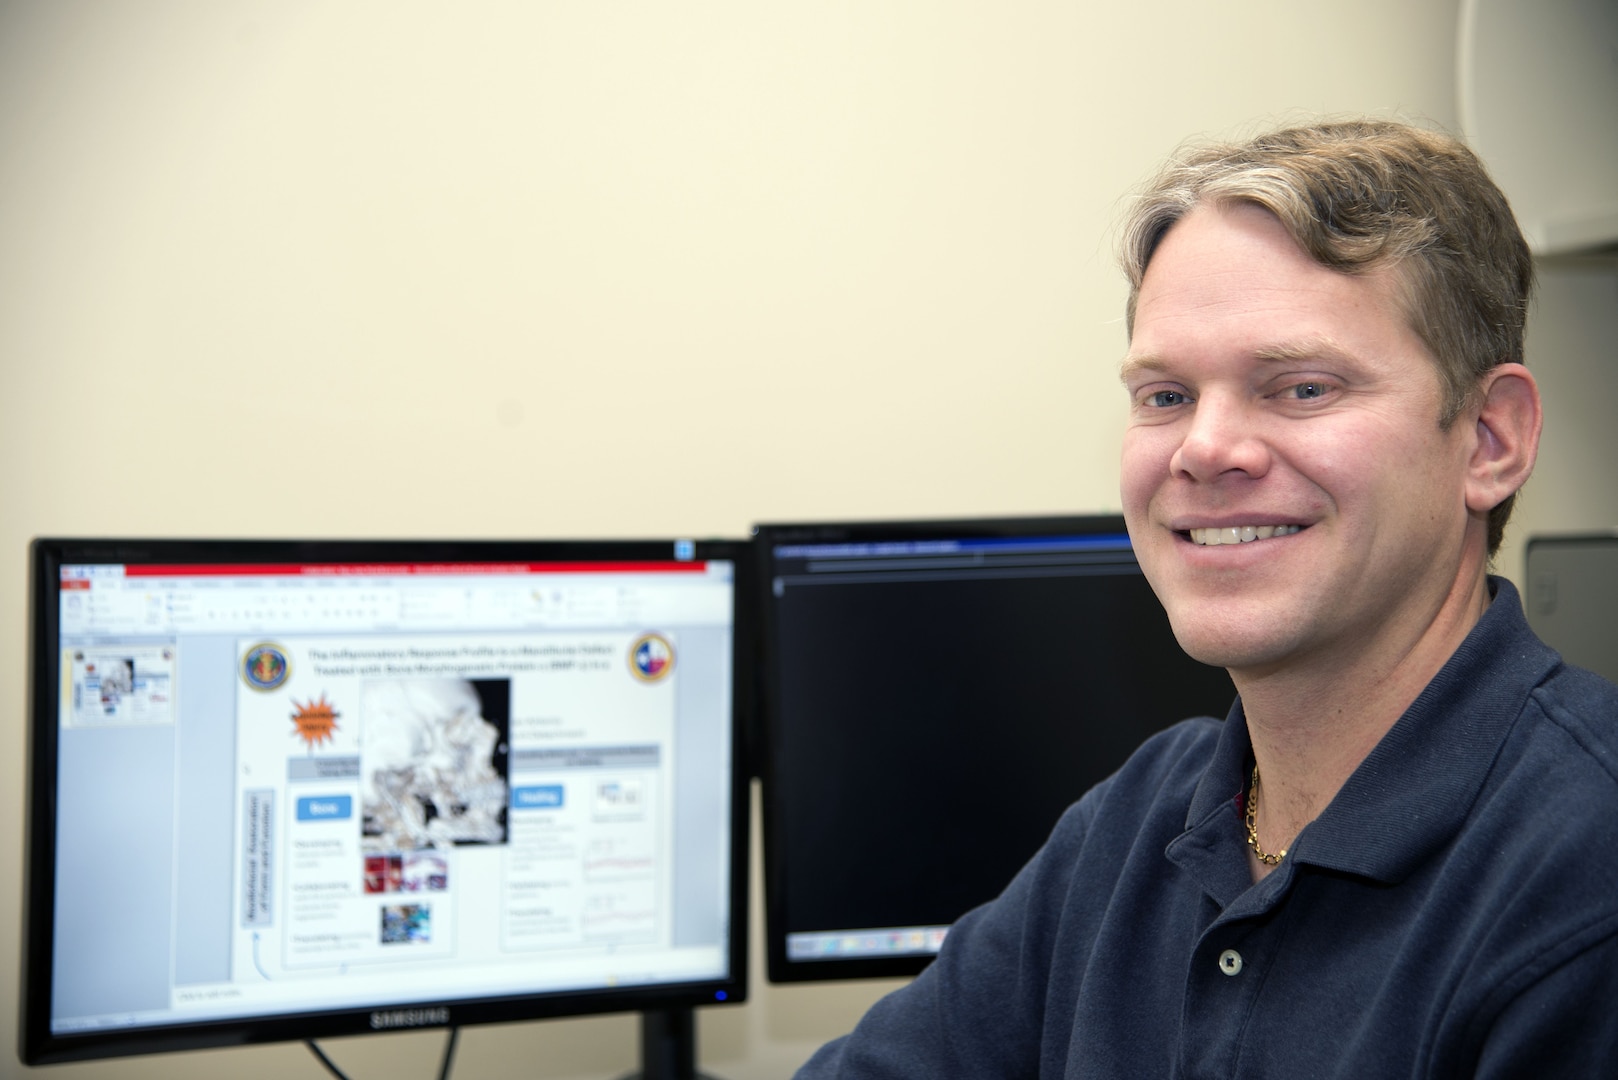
[{"x": 1240, "y": 534}]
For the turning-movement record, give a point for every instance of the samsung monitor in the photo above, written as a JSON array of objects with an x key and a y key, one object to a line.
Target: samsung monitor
[
  {"x": 935, "y": 694},
  {"x": 284, "y": 790}
]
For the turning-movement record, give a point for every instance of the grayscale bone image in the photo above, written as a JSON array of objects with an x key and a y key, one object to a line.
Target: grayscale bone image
[{"x": 433, "y": 761}]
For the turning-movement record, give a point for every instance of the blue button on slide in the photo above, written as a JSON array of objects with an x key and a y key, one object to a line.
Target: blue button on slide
[
  {"x": 537, "y": 797},
  {"x": 325, "y": 808}
]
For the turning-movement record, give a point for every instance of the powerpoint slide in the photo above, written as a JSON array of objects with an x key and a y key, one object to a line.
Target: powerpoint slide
[
  {"x": 409, "y": 798},
  {"x": 117, "y": 684}
]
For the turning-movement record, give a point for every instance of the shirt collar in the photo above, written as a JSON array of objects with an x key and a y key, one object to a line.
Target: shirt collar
[{"x": 1412, "y": 793}]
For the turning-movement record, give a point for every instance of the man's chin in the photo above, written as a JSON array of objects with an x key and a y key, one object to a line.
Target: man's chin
[{"x": 1245, "y": 647}]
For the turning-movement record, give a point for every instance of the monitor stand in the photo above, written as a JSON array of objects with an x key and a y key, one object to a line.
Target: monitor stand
[{"x": 668, "y": 1046}]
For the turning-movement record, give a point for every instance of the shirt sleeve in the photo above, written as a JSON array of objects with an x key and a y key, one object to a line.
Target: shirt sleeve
[
  {"x": 978, "y": 1009},
  {"x": 1560, "y": 1025}
]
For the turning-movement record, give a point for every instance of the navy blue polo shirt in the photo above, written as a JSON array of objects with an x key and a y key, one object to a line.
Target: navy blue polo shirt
[{"x": 1452, "y": 912}]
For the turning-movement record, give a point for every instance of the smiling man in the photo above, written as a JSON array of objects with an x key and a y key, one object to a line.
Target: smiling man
[{"x": 1396, "y": 856}]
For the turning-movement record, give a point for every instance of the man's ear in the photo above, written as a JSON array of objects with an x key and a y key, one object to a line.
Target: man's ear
[{"x": 1508, "y": 423}]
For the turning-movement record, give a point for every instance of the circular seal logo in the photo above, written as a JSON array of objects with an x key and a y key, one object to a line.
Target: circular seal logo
[
  {"x": 651, "y": 657},
  {"x": 265, "y": 667}
]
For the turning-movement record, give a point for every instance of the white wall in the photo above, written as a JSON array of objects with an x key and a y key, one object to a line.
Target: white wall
[{"x": 541, "y": 268}]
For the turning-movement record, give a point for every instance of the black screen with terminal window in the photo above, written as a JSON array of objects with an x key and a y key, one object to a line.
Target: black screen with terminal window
[{"x": 935, "y": 694}]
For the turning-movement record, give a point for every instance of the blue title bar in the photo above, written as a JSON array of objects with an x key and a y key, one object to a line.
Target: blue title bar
[{"x": 880, "y": 548}]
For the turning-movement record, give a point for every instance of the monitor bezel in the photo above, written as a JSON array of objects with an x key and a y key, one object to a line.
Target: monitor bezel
[
  {"x": 38, "y": 1045},
  {"x": 778, "y": 968}
]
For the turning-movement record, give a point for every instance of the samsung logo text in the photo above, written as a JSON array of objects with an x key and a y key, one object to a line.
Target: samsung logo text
[{"x": 400, "y": 1018}]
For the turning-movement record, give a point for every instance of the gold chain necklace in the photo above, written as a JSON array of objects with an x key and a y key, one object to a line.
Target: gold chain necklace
[{"x": 1252, "y": 829}]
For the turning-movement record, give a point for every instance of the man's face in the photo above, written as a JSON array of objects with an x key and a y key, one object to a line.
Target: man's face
[{"x": 1280, "y": 403}]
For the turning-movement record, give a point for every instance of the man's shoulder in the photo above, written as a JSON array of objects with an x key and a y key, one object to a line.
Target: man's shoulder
[
  {"x": 1185, "y": 745},
  {"x": 1159, "y": 777},
  {"x": 1180, "y": 751},
  {"x": 1531, "y": 854},
  {"x": 1551, "y": 796},
  {"x": 1557, "y": 723},
  {"x": 1583, "y": 706}
]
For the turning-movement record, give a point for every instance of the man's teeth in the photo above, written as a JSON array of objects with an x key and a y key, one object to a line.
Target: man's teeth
[{"x": 1241, "y": 534}]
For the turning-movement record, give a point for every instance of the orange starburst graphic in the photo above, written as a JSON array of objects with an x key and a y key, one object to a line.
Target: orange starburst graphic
[{"x": 315, "y": 721}]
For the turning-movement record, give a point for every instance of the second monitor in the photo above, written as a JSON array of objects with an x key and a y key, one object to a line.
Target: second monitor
[{"x": 935, "y": 694}]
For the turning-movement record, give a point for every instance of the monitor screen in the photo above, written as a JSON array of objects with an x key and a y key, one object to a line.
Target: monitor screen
[
  {"x": 1572, "y": 597},
  {"x": 283, "y": 790},
  {"x": 935, "y": 694}
]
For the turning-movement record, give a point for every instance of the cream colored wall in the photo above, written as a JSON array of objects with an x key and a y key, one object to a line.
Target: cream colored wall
[{"x": 521, "y": 269}]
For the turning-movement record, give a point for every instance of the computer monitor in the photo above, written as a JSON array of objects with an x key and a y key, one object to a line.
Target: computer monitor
[
  {"x": 935, "y": 694},
  {"x": 285, "y": 790},
  {"x": 1572, "y": 597}
]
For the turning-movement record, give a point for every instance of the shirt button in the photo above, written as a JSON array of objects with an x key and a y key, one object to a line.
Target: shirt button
[{"x": 1230, "y": 962}]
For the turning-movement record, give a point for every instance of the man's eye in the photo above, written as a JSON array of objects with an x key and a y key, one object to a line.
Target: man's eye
[
  {"x": 1162, "y": 399},
  {"x": 1308, "y": 391}
]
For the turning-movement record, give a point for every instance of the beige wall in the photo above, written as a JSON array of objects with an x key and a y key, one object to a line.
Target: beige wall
[{"x": 520, "y": 269}]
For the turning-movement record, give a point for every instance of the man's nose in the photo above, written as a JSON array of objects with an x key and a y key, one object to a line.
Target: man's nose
[{"x": 1224, "y": 436}]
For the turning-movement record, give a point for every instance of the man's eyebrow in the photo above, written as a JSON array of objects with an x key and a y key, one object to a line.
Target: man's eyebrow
[
  {"x": 1138, "y": 362},
  {"x": 1309, "y": 348}
]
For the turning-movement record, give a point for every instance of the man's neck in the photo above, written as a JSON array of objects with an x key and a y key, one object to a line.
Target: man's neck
[{"x": 1312, "y": 724}]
